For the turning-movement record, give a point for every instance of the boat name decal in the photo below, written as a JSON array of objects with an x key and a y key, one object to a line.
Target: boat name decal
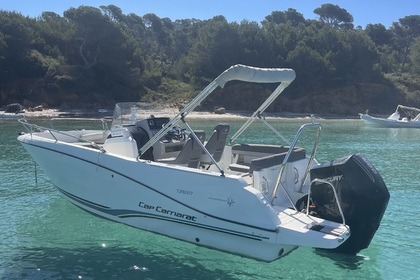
[
  {"x": 162, "y": 210},
  {"x": 184, "y": 192}
]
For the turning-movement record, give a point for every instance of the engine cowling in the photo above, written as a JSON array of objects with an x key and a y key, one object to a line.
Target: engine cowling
[{"x": 362, "y": 193}]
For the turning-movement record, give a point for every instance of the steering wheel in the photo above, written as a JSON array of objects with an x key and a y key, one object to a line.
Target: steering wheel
[{"x": 176, "y": 133}]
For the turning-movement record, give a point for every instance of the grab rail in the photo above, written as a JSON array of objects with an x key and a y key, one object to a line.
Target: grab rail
[
  {"x": 311, "y": 160},
  {"x": 286, "y": 158},
  {"x": 335, "y": 195},
  {"x": 103, "y": 121},
  {"x": 31, "y": 128}
]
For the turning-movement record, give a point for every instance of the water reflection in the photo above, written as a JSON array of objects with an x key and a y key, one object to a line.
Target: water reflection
[
  {"x": 392, "y": 133},
  {"x": 100, "y": 263},
  {"x": 350, "y": 262},
  {"x": 122, "y": 262}
]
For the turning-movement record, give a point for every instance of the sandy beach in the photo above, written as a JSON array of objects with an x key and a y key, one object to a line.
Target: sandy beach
[
  {"x": 56, "y": 113},
  {"x": 167, "y": 112}
]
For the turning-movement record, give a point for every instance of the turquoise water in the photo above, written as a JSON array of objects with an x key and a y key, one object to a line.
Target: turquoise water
[{"x": 45, "y": 237}]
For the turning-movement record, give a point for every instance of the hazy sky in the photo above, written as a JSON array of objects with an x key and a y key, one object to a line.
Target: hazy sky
[{"x": 363, "y": 11}]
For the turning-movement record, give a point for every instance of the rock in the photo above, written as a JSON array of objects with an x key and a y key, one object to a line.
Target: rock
[
  {"x": 219, "y": 110},
  {"x": 38, "y": 108},
  {"x": 14, "y": 108}
]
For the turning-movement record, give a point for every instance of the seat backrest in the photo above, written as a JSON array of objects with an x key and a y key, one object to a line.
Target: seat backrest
[
  {"x": 197, "y": 151},
  {"x": 191, "y": 151},
  {"x": 216, "y": 143},
  {"x": 276, "y": 159}
]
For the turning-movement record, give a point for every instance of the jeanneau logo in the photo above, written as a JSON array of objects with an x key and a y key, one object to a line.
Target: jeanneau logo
[{"x": 230, "y": 201}]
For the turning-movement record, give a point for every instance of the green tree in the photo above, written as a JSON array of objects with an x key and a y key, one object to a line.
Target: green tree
[
  {"x": 112, "y": 60},
  {"x": 217, "y": 47},
  {"x": 3, "y": 45},
  {"x": 358, "y": 56},
  {"x": 20, "y": 40},
  {"x": 291, "y": 16},
  {"x": 114, "y": 13},
  {"x": 94, "y": 32},
  {"x": 334, "y": 15},
  {"x": 159, "y": 35},
  {"x": 310, "y": 68},
  {"x": 415, "y": 56},
  {"x": 405, "y": 31},
  {"x": 378, "y": 34},
  {"x": 254, "y": 47}
]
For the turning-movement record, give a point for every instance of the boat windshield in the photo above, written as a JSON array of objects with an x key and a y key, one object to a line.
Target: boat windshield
[
  {"x": 127, "y": 113},
  {"x": 394, "y": 116}
]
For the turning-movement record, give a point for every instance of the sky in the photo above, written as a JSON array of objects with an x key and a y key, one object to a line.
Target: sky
[{"x": 363, "y": 11}]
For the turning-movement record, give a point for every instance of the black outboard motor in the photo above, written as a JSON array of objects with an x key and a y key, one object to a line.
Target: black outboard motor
[{"x": 362, "y": 193}]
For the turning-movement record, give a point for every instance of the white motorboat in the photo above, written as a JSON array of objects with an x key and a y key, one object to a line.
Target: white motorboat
[
  {"x": 160, "y": 175},
  {"x": 403, "y": 117},
  {"x": 5, "y": 115}
]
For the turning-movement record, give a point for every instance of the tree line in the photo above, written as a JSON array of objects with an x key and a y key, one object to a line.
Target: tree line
[{"x": 96, "y": 56}]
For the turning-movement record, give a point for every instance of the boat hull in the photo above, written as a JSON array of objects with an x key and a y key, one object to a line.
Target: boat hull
[
  {"x": 90, "y": 183},
  {"x": 380, "y": 122},
  {"x": 203, "y": 208},
  {"x": 4, "y": 115},
  {"x": 202, "y": 235}
]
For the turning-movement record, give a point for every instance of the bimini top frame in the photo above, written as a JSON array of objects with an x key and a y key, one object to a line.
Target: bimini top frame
[{"x": 238, "y": 72}]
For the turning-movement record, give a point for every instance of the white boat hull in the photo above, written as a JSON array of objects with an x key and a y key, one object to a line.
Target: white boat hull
[
  {"x": 391, "y": 123},
  {"x": 175, "y": 201},
  {"x": 4, "y": 115}
]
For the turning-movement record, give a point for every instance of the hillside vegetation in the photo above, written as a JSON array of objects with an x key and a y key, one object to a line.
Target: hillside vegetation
[{"x": 93, "y": 57}]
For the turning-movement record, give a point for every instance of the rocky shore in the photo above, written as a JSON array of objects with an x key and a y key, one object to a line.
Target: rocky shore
[
  {"x": 107, "y": 114},
  {"x": 18, "y": 111}
]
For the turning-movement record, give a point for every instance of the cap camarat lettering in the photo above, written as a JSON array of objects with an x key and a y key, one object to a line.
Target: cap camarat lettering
[{"x": 162, "y": 210}]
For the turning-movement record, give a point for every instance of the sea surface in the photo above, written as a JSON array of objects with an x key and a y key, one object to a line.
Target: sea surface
[{"x": 42, "y": 236}]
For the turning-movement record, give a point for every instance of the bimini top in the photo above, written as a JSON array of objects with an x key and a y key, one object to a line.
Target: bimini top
[
  {"x": 255, "y": 75},
  {"x": 238, "y": 72}
]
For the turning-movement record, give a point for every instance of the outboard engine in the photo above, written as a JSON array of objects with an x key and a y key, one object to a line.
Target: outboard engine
[{"x": 363, "y": 197}]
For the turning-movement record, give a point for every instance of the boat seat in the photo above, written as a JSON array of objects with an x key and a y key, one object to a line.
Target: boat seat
[
  {"x": 258, "y": 149},
  {"x": 258, "y": 164},
  {"x": 216, "y": 144},
  {"x": 244, "y": 153},
  {"x": 190, "y": 153},
  {"x": 239, "y": 168},
  {"x": 276, "y": 159}
]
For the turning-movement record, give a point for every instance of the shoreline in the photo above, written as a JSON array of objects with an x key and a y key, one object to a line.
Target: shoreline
[{"x": 230, "y": 115}]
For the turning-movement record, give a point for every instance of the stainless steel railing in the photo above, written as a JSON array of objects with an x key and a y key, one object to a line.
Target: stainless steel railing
[
  {"x": 335, "y": 196},
  {"x": 32, "y": 128},
  {"x": 289, "y": 152}
]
